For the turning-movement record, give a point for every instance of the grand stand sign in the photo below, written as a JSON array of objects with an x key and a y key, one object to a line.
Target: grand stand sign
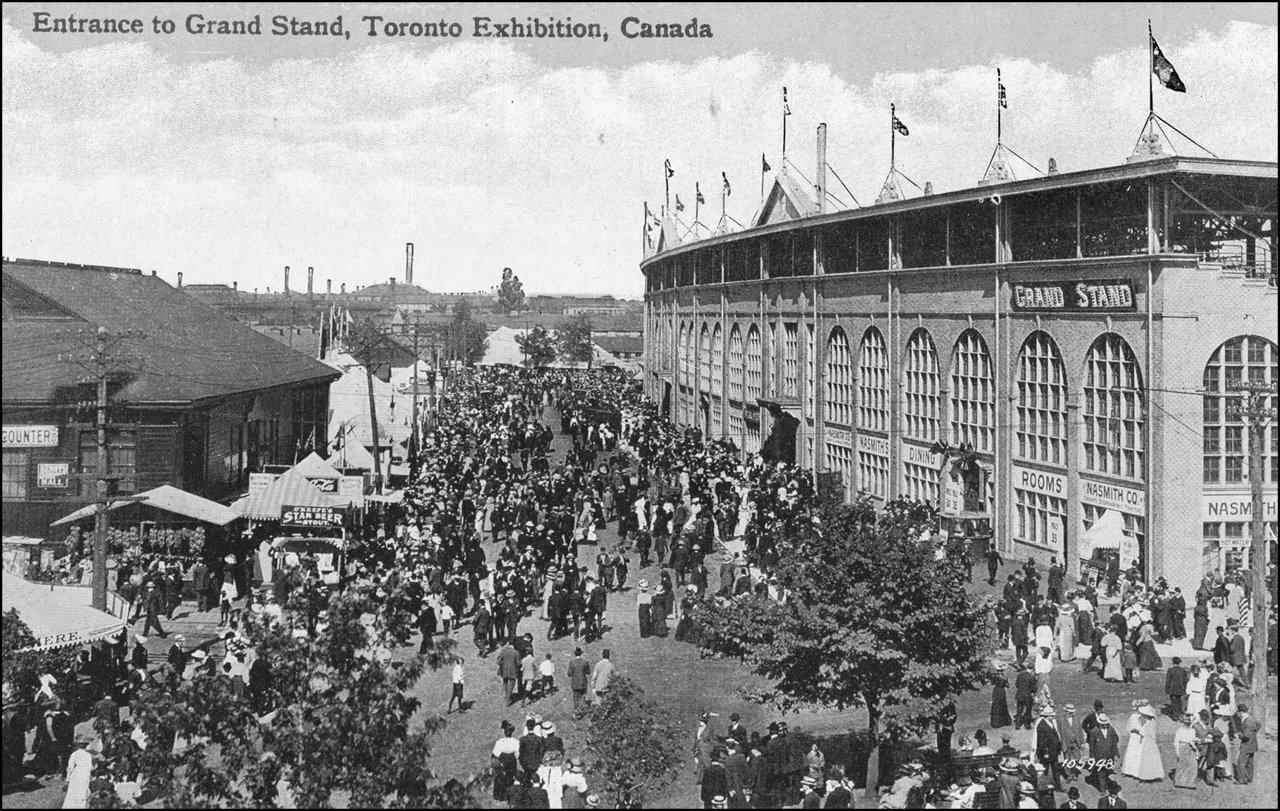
[{"x": 1091, "y": 296}]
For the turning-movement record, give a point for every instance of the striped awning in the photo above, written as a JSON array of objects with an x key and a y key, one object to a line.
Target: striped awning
[
  {"x": 58, "y": 616},
  {"x": 293, "y": 489}
]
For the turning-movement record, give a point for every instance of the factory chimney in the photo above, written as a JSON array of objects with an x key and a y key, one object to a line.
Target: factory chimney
[
  {"x": 286, "y": 280},
  {"x": 820, "y": 179},
  {"x": 311, "y": 275},
  {"x": 408, "y": 263},
  {"x": 179, "y": 280},
  {"x": 328, "y": 287},
  {"x": 235, "y": 288}
]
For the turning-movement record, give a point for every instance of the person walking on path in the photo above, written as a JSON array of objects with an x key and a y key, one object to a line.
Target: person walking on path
[
  {"x": 79, "y": 771},
  {"x": 508, "y": 670},
  {"x": 1176, "y": 680},
  {"x": 601, "y": 676},
  {"x": 1186, "y": 750},
  {"x": 1000, "y": 699},
  {"x": 579, "y": 678},
  {"x": 458, "y": 680},
  {"x": 1246, "y": 728},
  {"x": 1104, "y": 750},
  {"x": 154, "y": 605},
  {"x": 200, "y": 585}
]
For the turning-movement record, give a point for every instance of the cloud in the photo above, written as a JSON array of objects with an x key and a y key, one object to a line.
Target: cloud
[{"x": 232, "y": 168}]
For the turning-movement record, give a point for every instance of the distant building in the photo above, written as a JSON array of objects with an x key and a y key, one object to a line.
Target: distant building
[{"x": 198, "y": 400}]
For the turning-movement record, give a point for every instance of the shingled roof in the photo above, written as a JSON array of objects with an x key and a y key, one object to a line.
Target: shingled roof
[{"x": 187, "y": 352}]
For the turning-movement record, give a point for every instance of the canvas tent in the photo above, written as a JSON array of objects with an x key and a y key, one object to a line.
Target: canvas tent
[
  {"x": 168, "y": 499},
  {"x": 58, "y": 616}
]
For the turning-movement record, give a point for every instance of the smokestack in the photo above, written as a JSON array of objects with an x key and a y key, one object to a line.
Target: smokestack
[
  {"x": 343, "y": 289},
  {"x": 820, "y": 179},
  {"x": 328, "y": 287},
  {"x": 179, "y": 280},
  {"x": 408, "y": 263},
  {"x": 286, "y": 281},
  {"x": 311, "y": 275},
  {"x": 235, "y": 287}
]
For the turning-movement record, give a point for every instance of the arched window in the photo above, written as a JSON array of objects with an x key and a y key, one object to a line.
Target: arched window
[
  {"x": 735, "y": 363},
  {"x": 973, "y": 395},
  {"x": 839, "y": 378},
  {"x": 1041, "y": 437},
  {"x": 704, "y": 358},
  {"x": 717, "y": 381},
  {"x": 873, "y": 414},
  {"x": 923, "y": 401},
  {"x": 1042, "y": 402},
  {"x": 921, "y": 414},
  {"x": 790, "y": 359},
  {"x": 754, "y": 376},
  {"x": 1247, "y": 358},
  {"x": 839, "y": 397},
  {"x": 1114, "y": 410}
]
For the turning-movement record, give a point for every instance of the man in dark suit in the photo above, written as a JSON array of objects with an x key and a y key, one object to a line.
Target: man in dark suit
[
  {"x": 531, "y": 747},
  {"x": 736, "y": 732},
  {"x": 1091, "y": 720},
  {"x": 508, "y": 669},
  {"x": 579, "y": 677},
  {"x": 1245, "y": 728},
  {"x": 1221, "y": 647},
  {"x": 1238, "y": 655},
  {"x": 1049, "y": 743},
  {"x": 1104, "y": 748},
  {"x": 1024, "y": 694},
  {"x": 1175, "y": 685},
  {"x": 1177, "y": 615},
  {"x": 715, "y": 780},
  {"x": 1112, "y": 798},
  {"x": 1055, "y": 578},
  {"x": 200, "y": 585}
]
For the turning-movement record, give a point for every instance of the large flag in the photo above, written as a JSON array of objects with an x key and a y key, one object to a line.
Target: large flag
[
  {"x": 679, "y": 205},
  {"x": 1163, "y": 68},
  {"x": 727, "y": 190},
  {"x": 670, "y": 172},
  {"x": 698, "y": 192},
  {"x": 1004, "y": 102},
  {"x": 764, "y": 164},
  {"x": 899, "y": 126},
  {"x": 786, "y": 108}
]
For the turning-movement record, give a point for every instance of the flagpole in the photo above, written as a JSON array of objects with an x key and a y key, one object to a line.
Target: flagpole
[
  {"x": 999, "y": 121},
  {"x": 666, "y": 179},
  {"x": 893, "y": 132},
  {"x": 784, "y": 132},
  {"x": 697, "y": 193},
  {"x": 1151, "y": 72}
]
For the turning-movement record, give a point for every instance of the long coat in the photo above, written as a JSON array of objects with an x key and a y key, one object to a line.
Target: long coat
[{"x": 508, "y": 663}]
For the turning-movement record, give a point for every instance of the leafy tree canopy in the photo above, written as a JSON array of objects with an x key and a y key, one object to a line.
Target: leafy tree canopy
[
  {"x": 873, "y": 619},
  {"x": 539, "y": 346},
  {"x": 510, "y": 292},
  {"x": 634, "y": 745},
  {"x": 573, "y": 338}
]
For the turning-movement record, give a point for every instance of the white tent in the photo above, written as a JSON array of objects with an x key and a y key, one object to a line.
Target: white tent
[
  {"x": 503, "y": 349},
  {"x": 1108, "y": 532},
  {"x": 349, "y": 410}
]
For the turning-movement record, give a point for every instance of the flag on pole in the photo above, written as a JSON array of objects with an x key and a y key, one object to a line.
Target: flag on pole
[
  {"x": 727, "y": 190},
  {"x": 698, "y": 192},
  {"x": 899, "y": 126},
  {"x": 1163, "y": 69},
  {"x": 670, "y": 172},
  {"x": 679, "y": 205},
  {"x": 786, "y": 108},
  {"x": 1004, "y": 102},
  {"x": 764, "y": 164}
]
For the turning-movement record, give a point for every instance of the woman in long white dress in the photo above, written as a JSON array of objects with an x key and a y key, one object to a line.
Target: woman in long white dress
[
  {"x": 1112, "y": 646},
  {"x": 1066, "y": 634},
  {"x": 79, "y": 770},
  {"x": 1150, "y": 763},
  {"x": 1196, "y": 684},
  {"x": 1133, "y": 747}
]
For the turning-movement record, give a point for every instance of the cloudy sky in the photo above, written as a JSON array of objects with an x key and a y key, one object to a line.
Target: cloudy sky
[{"x": 228, "y": 158}]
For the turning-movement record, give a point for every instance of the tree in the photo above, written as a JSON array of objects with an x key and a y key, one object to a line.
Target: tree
[
  {"x": 510, "y": 292},
  {"x": 465, "y": 339},
  {"x": 573, "y": 337},
  {"x": 539, "y": 347},
  {"x": 634, "y": 745},
  {"x": 872, "y": 620},
  {"x": 341, "y": 723},
  {"x": 22, "y": 671}
]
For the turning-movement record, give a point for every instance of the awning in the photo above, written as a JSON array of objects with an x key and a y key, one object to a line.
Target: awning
[
  {"x": 389, "y": 498},
  {"x": 22, "y": 540},
  {"x": 1108, "y": 532},
  {"x": 293, "y": 489},
  {"x": 58, "y": 616},
  {"x": 167, "y": 499}
]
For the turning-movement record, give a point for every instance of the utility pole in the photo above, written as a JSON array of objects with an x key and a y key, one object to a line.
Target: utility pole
[
  {"x": 100, "y": 511},
  {"x": 1257, "y": 408}
]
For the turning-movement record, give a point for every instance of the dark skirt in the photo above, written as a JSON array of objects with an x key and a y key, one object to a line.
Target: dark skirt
[
  {"x": 1201, "y": 630},
  {"x": 658, "y": 623},
  {"x": 1148, "y": 659},
  {"x": 999, "y": 708},
  {"x": 643, "y": 611}
]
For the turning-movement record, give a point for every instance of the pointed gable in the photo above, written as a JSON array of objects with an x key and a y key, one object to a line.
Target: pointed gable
[
  {"x": 787, "y": 200},
  {"x": 668, "y": 236}
]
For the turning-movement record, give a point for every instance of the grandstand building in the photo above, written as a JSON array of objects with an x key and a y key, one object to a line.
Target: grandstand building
[{"x": 1055, "y": 355}]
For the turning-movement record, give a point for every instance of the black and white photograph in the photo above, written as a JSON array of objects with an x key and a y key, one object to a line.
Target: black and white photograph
[{"x": 640, "y": 405}]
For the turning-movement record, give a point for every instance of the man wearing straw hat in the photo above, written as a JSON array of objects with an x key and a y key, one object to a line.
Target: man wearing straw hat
[{"x": 1104, "y": 749}]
